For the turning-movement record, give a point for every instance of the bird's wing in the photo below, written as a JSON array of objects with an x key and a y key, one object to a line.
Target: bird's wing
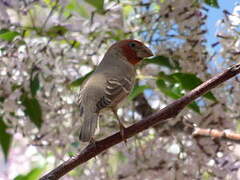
[
  {"x": 79, "y": 102},
  {"x": 115, "y": 91}
]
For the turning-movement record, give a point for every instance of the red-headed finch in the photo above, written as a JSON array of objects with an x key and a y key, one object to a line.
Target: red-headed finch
[{"x": 111, "y": 82}]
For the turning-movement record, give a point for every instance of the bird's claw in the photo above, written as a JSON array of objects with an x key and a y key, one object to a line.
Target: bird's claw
[
  {"x": 92, "y": 142},
  {"x": 122, "y": 129}
]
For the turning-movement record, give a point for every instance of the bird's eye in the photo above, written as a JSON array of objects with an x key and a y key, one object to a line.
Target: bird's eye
[{"x": 132, "y": 44}]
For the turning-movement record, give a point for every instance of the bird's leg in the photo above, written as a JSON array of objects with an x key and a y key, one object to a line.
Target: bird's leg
[
  {"x": 92, "y": 142},
  {"x": 121, "y": 126}
]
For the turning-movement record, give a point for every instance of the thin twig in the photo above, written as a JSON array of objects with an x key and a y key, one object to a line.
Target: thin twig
[
  {"x": 169, "y": 111},
  {"x": 50, "y": 14},
  {"x": 225, "y": 134}
]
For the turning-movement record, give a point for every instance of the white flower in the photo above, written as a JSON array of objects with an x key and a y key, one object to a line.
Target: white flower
[{"x": 235, "y": 17}]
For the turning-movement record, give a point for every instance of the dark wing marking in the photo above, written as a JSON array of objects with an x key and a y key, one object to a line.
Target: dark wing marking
[
  {"x": 102, "y": 103},
  {"x": 114, "y": 91}
]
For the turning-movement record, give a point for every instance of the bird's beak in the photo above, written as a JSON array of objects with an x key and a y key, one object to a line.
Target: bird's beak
[{"x": 144, "y": 52}]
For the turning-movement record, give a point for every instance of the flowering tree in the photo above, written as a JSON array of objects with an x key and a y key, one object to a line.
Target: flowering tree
[{"x": 49, "y": 47}]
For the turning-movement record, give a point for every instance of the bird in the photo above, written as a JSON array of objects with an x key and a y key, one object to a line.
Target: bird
[{"x": 109, "y": 84}]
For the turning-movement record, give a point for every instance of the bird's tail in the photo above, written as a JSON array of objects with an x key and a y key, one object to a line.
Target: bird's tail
[{"x": 88, "y": 126}]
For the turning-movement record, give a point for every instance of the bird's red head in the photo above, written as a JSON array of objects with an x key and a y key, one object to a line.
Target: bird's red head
[{"x": 133, "y": 50}]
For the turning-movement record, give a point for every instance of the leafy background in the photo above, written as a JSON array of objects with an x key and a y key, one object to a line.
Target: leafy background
[{"x": 49, "y": 47}]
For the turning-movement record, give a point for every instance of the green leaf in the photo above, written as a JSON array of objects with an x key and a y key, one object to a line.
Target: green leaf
[
  {"x": 56, "y": 31},
  {"x": 194, "y": 107},
  {"x": 70, "y": 154},
  {"x": 8, "y": 35},
  {"x": 5, "y": 138},
  {"x": 98, "y": 4},
  {"x": 32, "y": 109},
  {"x": 213, "y": 3},
  {"x": 163, "y": 61},
  {"x": 175, "y": 91},
  {"x": 190, "y": 81},
  {"x": 166, "y": 89},
  {"x": 137, "y": 90},
  {"x": 176, "y": 84},
  {"x": 73, "y": 5},
  {"x": 78, "y": 82},
  {"x": 210, "y": 96},
  {"x": 34, "y": 84},
  {"x": 166, "y": 77},
  {"x": 34, "y": 174}
]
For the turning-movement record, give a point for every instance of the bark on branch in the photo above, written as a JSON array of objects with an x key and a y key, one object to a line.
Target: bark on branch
[{"x": 169, "y": 111}]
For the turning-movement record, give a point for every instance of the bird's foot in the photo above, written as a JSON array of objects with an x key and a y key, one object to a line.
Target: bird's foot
[
  {"x": 92, "y": 142},
  {"x": 122, "y": 129}
]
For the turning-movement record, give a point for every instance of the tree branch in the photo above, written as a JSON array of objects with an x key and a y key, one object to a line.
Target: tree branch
[
  {"x": 225, "y": 134},
  {"x": 169, "y": 111}
]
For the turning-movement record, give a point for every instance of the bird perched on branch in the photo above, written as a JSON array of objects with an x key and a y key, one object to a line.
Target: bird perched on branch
[{"x": 111, "y": 82}]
